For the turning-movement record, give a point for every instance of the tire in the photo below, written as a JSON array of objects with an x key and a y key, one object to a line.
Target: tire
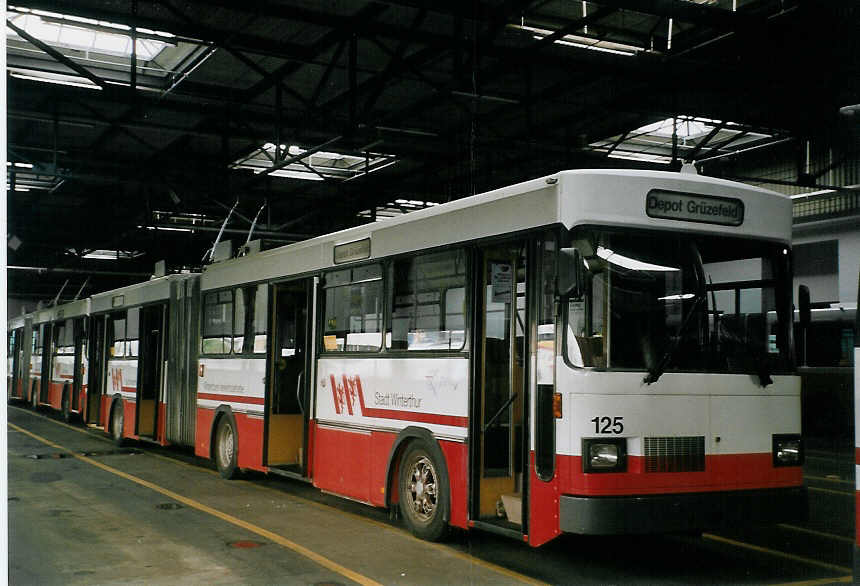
[
  {"x": 117, "y": 421},
  {"x": 423, "y": 494},
  {"x": 226, "y": 447},
  {"x": 65, "y": 406},
  {"x": 34, "y": 395}
]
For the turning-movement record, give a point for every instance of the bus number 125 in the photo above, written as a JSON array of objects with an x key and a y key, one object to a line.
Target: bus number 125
[{"x": 608, "y": 424}]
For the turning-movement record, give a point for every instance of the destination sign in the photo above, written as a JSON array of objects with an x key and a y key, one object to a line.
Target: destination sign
[
  {"x": 358, "y": 250},
  {"x": 672, "y": 205}
]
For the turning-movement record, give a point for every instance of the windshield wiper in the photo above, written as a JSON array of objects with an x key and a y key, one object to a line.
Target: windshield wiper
[{"x": 655, "y": 373}]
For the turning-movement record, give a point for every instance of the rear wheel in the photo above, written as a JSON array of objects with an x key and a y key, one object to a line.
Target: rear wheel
[
  {"x": 226, "y": 447},
  {"x": 34, "y": 395},
  {"x": 117, "y": 420},
  {"x": 422, "y": 493}
]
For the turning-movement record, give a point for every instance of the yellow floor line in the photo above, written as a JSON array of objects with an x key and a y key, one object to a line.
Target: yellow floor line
[
  {"x": 817, "y": 533},
  {"x": 781, "y": 554},
  {"x": 820, "y": 582},
  {"x": 274, "y": 537},
  {"x": 825, "y": 479},
  {"x": 830, "y": 491},
  {"x": 322, "y": 506}
]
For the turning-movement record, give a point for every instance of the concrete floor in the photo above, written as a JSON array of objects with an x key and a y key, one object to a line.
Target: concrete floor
[{"x": 82, "y": 511}]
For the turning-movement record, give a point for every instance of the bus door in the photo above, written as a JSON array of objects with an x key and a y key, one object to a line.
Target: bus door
[
  {"x": 288, "y": 405},
  {"x": 80, "y": 341},
  {"x": 48, "y": 347},
  {"x": 16, "y": 350},
  {"x": 96, "y": 377},
  {"x": 497, "y": 406},
  {"x": 150, "y": 368}
]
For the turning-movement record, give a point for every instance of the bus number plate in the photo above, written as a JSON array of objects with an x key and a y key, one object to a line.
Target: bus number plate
[{"x": 608, "y": 424}]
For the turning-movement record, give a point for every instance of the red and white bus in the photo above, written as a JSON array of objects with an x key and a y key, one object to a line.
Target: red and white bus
[
  {"x": 48, "y": 357},
  {"x": 144, "y": 340},
  {"x": 590, "y": 352},
  {"x": 18, "y": 334}
]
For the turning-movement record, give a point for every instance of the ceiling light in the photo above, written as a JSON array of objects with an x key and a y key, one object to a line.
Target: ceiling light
[{"x": 58, "y": 80}]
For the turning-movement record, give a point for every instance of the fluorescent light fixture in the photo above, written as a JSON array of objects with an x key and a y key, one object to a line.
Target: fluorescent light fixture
[
  {"x": 630, "y": 263},
  {"x": 20, "y": 165},
  {"x": 58, "y": 79},
  {"x": 581, "y": 42},
  {"x": 102, "y": 254},
  {"x": 679, "y": 297}
]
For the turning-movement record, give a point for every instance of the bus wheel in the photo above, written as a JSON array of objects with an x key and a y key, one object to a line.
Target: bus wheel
[
  {"x": 65, "y": 406},
  {"x": 226, "y": 448},
  {"x": 422, "y": 494},
  {"x": 34, "y": 396},
  {"x": 117, "y": 420}
]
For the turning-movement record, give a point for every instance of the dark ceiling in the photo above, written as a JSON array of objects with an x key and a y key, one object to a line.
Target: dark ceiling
[{"x": 465, "y": 95}]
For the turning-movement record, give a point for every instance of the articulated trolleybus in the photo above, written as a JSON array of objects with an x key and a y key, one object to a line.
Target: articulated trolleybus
[{"x": 591, "y": 352}]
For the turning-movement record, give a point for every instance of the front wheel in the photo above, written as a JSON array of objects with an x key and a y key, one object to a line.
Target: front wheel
[
  {"x": 423, "y": 495},
  {"x": 226, "y": 448},
  {"x": 34, "y": 395},
  {"x": 117, "y": 420}
]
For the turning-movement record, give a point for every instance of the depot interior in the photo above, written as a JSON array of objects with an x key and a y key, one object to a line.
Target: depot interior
[{"x": 136, "y": 128}]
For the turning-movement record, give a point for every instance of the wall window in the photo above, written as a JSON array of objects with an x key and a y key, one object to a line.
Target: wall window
[
  {"x": 218, "y": 322},
  {"x": 427, "y": 301},
  {"x": 353, "y": 310}
]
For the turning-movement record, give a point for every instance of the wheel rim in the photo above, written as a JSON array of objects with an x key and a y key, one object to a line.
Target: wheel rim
[
  {"x": 422, "y": 489},
  {"x": 225, "y": 445}
]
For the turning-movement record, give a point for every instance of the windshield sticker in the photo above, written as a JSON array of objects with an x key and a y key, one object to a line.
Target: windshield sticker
[{"x": 672, "y": 205}]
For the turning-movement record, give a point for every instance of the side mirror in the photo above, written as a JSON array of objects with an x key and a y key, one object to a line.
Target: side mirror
[
  {"x": 570, "y": 272},
  {"x": 803, "y": 306}
]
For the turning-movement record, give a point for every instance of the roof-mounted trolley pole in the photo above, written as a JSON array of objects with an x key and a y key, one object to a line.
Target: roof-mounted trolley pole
[{"x": 211, "y": 252}]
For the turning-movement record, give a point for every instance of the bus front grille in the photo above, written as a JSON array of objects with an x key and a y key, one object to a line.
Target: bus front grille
[{"x": 675, "y": 454}]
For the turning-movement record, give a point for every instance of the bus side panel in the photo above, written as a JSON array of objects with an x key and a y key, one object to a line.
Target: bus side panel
[
  {"x": 129, "y": 412},
  {"x": 544, "y": 504},
  {"x": 380, "y": 448},
  {"x": 342, "y": 462},
  {"x": 202, "y": 447},
  {"x": 250, "y": 430},
  {"x": 457, "y": 460},
  {"x": 82, "y": 398},
  {"x": 160, "y": 434},
  {"x": 104, "y": 408}
]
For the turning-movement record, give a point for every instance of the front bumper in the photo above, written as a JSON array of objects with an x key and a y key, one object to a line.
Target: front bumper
[{"x": 668, "y": 513}]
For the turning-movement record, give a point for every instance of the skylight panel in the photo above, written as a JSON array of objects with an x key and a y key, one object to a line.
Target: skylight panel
[
  {"x": 83, "y": 34},
  {"x": 317, "y": 166}
]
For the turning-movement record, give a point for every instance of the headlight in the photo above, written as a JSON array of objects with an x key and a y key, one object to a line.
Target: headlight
[
  {"x": 787, "y": 450},
  {"x": 604, "y": 455}
]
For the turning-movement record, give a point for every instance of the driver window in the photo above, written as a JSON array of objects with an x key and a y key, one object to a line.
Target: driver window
[{"x": 586, "y": 323}]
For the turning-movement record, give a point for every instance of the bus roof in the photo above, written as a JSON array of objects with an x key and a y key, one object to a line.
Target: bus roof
[
  {"x": 609, "y": 197},
  {"x": 151, "y": 291}
]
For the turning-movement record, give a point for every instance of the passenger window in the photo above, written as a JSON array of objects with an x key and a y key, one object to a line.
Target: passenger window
[
  {"x": 116, "y": 335},
  {"x": 217, "y": 322},
  {"x": 353, "y": 310},
  {"x": 427, "y": 302},
  {"x": 132, "y": 332}
]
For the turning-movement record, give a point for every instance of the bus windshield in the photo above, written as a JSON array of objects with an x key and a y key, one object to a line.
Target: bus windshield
[{"x": 665, "y": 301}]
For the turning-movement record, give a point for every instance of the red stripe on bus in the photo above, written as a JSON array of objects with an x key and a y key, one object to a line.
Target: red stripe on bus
[
  {"x": 857, "y": 455},
  {"x": 232, "y": 398}
]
